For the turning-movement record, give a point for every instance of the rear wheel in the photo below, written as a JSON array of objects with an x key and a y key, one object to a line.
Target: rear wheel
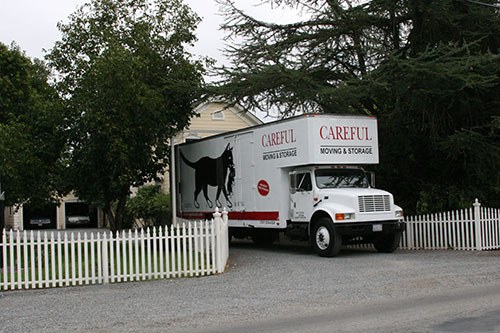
[
  {"x": 388, "y": 243},
  {"x": 325, "y": 240}
]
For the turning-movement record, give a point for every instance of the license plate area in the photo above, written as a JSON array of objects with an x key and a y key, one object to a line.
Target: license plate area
[{"x": 377, "y": 227}]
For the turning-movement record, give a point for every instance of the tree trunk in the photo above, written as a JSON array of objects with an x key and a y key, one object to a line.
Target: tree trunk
[
  {"x": 108, "y": 215},
  {"x": 116, "y": 217},
  {"x": 120, "y": 211},
  {"x": 395, "y": 29}
]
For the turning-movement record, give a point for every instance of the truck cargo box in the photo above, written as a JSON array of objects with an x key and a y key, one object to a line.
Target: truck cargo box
[{"x": 246, "y": 171}]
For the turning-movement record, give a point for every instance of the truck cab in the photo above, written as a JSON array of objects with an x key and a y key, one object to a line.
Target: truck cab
[{"x": 333, "y": 205}]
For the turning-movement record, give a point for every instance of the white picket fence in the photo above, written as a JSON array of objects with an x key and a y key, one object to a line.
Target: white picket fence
[
  {"x": 476, "y": 228},
  {"x": 43, "y": 260}
]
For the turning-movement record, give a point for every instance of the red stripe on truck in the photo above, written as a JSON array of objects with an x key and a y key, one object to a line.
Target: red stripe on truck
[{"x": 272, "y": 216}]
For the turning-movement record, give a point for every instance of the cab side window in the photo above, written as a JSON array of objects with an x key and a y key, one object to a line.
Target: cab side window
[{"x": 304, "y": 182}]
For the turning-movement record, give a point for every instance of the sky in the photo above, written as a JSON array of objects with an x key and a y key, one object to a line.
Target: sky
[{"x": 32, "y": 24}]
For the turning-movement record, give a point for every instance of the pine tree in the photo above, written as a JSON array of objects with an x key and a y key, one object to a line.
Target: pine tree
[{"x": 428, "y": 69}]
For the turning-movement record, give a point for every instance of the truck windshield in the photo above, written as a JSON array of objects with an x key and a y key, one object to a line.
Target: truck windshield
[{"x": 341, "y": 178}]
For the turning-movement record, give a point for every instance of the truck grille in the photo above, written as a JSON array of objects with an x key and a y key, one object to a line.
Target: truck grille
[{"x": 374, "y": 203}]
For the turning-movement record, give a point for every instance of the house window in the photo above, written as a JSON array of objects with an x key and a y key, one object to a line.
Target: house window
[
  {"x": 192, "y": 138},
  {"x": 219, "y": 115}
]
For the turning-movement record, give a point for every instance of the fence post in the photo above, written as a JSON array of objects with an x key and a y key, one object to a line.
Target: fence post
[
  {"x": 3, "y": 244},
  {"x": 105, "y": 260},
  {"x": 225, "y": 230},
  {"x": 2, "y": 208},
  {"x": 477, "y": 225},
  {"x": 2, "y": 221},
  {"x": 217, "y": 230}
]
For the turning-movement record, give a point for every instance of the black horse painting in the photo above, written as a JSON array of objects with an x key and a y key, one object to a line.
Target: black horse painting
[{"x": 213, "y": 172}]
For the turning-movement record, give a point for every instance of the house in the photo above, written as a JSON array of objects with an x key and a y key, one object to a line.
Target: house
[
  {"x": 217, "y": 117},
  {"x": 69, "y": 213},
  {"x": 211, "y": 118}
]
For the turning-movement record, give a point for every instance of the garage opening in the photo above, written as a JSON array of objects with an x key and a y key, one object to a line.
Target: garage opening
[
  {"x": 40, "y": 217},
  {"x": 80, "y": 215}
]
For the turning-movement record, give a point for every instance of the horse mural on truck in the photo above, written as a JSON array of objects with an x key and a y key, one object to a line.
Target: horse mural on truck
[{"x": 217, "y": 172}]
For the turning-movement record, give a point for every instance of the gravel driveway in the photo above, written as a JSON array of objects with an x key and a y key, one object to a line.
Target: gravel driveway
[{"x": 259, "y": 284}]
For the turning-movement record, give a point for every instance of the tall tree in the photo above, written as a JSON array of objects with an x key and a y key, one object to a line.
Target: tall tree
[
  {"x": 301, "y": 66},
  {"x": 129, "y": 84},
  {"x": 428, "y": 69},
  {"x": 31, "y": 130},
  {"x": 439, "y": 102}
]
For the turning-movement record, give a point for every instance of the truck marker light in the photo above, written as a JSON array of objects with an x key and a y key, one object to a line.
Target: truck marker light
[{"x": 344, "y": 216}]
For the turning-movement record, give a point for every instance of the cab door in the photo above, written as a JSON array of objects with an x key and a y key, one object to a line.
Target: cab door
[{"x": 301, "y": 196}]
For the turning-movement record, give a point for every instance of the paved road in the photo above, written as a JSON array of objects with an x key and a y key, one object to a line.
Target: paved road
[
  {"x": 460, "y": 310},
  {"x": 283, "y": 288}
]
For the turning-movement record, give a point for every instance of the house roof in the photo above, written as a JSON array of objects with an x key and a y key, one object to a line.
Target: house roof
[{"x": 245, "y": 115}]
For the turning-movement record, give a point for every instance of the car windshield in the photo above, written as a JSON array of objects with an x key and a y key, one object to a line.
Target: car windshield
[{"x": 341, "y": 178}]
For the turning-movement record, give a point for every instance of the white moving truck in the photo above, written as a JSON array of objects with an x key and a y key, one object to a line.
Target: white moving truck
[{"x": 301, "y": 176}]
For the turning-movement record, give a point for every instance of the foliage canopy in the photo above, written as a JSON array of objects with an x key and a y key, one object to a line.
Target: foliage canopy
[
  {"x": 31, "y": 132},
  {"x": 129, "y": 85},
  {"x": 429, "y": 70}
]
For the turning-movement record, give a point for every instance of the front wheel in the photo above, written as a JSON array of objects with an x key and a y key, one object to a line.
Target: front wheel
[
  {"x": 388, "y": 243},
  {"x": 326, "y": 241}
]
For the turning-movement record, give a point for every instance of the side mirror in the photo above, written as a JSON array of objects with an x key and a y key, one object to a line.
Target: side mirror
[
  {"x": 293, "y": 183},
  {"x": 371, "y": 178}
]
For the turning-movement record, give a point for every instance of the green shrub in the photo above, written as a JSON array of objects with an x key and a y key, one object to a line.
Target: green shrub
[{"x": 150, "y": 207}]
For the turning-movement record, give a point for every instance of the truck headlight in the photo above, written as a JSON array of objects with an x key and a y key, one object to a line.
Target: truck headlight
[
  {"x": 344, "y": 216},
  {"x": 399, "y": 213}
]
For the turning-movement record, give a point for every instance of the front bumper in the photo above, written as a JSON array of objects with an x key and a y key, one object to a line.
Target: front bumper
[{"x": 369, "y": 228}]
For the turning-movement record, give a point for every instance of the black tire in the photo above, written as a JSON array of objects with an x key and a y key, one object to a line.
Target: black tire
[
  {"x": 325, "y": 240},
  {"x": 388, "y": 243},
  {"x": 264, "y": 237}
]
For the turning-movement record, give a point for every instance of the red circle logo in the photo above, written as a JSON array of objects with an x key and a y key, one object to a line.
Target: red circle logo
[{"x": 263, "y": 188}]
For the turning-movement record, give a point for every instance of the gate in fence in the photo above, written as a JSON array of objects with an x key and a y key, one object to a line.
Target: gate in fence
[
  {"x": 43, "y": 260},
  {"x": 476, "y": 228}
]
